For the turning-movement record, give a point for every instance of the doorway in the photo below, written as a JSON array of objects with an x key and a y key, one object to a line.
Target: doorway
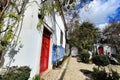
[
  {"x": 100, "y": 50},
  {"x": 44, "y": 59}
]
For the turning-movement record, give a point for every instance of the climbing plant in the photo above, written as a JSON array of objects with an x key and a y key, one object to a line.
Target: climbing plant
[
  {"x": 46, "y": 9},
  {"x": 11, "y": 19}
]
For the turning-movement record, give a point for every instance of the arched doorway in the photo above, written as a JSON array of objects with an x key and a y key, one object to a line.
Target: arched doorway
[{"x": 100, "y": 50}]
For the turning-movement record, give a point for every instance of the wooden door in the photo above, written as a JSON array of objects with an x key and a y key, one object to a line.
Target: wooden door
[
  {"x": 45, "y": 52},
  {"x": 100, "y": 50}
]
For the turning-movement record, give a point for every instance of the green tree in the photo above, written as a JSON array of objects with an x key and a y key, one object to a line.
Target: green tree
[
  {"x": 11, "y": 19},
  {"x": 112, "y": 32},
  {"x": 83, "y": 35}
]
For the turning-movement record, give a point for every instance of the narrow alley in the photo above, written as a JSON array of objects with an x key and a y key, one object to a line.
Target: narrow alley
[
  {"x": 71, "y": 70},
  {"x": 74, "y": 70},
  {"x": 59, "y": 39}
]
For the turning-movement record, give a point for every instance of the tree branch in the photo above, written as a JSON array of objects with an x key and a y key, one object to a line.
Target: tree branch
[{"x": 4, "y": 7}]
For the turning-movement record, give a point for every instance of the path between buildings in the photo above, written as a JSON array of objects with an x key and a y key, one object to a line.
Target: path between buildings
[{"x": 72, "y": 70}]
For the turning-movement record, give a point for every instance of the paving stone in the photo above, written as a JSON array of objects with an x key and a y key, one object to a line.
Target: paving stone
[{"x": 74, "y": 70}]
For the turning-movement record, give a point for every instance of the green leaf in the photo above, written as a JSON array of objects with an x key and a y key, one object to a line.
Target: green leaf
[
  {"x": 40, "y": 23},
  {"x": 12, "y": 14}
]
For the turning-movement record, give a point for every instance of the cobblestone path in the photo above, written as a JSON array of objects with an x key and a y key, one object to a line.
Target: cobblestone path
[{"x": 73, "y": 70}]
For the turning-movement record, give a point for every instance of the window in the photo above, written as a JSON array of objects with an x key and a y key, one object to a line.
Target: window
[{"x": 61, "y": 37}]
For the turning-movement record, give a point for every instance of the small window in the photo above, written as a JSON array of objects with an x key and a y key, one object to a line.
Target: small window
[{"x": 61, "y": 38}]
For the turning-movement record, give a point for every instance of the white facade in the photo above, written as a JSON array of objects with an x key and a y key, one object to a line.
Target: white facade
[
  {"x": 106, "y": 48},
  {"x": 31, "y": 39},
  {"x": 74, "y": 51}
]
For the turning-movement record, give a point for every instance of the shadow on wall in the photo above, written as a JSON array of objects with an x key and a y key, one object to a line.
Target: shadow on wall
[{"x": 13, "y": 49}]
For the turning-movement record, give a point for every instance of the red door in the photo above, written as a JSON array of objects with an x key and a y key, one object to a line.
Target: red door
[
  {"x": 100, "y": 50},
  {"x": 45, "y": 52}
]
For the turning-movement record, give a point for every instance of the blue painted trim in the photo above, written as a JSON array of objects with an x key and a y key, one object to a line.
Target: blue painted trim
[{"x": 58, "y": 52}]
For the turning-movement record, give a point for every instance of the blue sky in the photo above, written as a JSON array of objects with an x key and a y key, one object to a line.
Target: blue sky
[{"x": 100, "y": 12}]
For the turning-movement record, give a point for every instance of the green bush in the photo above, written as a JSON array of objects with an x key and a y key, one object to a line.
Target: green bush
[
  {"x": 0, "y": 77},
  {"x": 17, "y": 73},
  {"x": 85, "y": 57},
  {"x": 100, "y": 60},
  {"x": 99, "y": 74},
  {"x": 113, "y": 75},
  {"x": 37, "y": 77},
  {"x": 59, "y": 63},
  {"x": 83, "y": 51},
  {"x": 103, "y": 75}
]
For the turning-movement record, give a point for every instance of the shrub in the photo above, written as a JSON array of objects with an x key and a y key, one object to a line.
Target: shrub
[
  {"x": 83, "y": 51},
  {"x": 85, "y": 57},
  {"x": 37, "y": 77},
  {"x": 99, "y": 74},
  {"x": 100, "y": 60},
  {"x": 17, "y": 73},
  {"x": 113, "y": 75},
  {"x": 0, "y": 77},
  {"x": 103, "y": 75},
  {"x": 59, "y": 63}
]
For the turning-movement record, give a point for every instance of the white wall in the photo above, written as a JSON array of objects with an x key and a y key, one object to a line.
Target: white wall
[
  {"x": 56, "y": 21},
  {"x": 74, "y": 51},
  {"x": 107, "y": 49},
  {"x": 31, "y": 39},
  {"x": 59, "y": 27}
]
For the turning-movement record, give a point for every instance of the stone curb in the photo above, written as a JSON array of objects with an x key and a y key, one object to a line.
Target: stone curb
[{"x": 63, "y": 69}]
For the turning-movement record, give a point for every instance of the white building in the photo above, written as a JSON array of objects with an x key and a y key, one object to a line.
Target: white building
[
  {"x": 41, "y": 47},
  {"x": 102, "y": 49}
]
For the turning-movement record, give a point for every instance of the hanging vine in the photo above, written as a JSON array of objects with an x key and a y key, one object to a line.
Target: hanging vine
[
  {"x": 46, "y": 9},
  {"x": 56, "y": 5},
  {"x": 11, "y": 17}
]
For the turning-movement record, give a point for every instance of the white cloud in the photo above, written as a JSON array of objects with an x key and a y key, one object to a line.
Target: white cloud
[
  {"x": 102, "y": 26},
  {"x": 98, "y": 11}
]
